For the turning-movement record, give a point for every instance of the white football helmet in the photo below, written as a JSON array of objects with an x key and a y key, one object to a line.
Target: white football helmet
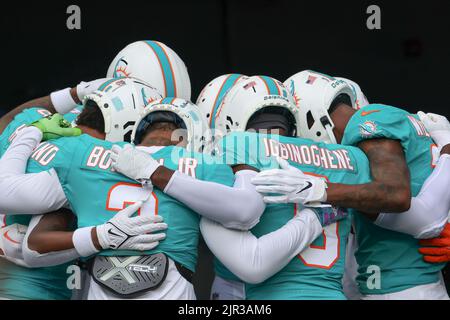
[
  {"x": 212, "y": 94},
  {"x": 249, "y": 96},
  {"x": 179, "y": 111},
  {"x": 314, "y": 94},
  {"x": 121, "y": 101},
  {"x": 361, "y": 99},
  {"x": 156, "y": 64}
]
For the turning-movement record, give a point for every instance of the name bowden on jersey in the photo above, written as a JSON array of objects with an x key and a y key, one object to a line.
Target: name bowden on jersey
[
  {"x": 100, "y": 158},
  {"x": 309, "y": 155}
]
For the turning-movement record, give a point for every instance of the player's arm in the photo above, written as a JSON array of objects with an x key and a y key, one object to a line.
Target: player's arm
[
  {"x": 50, "y": 239},
  {"x": 254, "y": 259},
  {"x": 22, "y": 193},
  {"x": 428, "y": 214},
  {"x": 389, "y": 190},
  {"x": 11, "y": 239},
  {"x": 239, "y": 206},
  {"x": 61, "y": 101},
  {"x": 429, "y": 210}
]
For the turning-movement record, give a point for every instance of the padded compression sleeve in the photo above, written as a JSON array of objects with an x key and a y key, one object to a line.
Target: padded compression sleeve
[
  {"x": 237, "y": 207},
  {"x": 429, "y": 209},
  {"x": 33, "y": 193},
  {"x": 254, "y": 259},
  {"x": 36, "y": 260}
]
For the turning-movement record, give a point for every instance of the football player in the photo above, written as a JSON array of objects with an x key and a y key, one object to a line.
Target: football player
[
  {"x": 150, "y": 61},
  {"x": 226, "y": 285},
  {"x": 43, "y": 283},
  {"x": 402, "y": 156}
]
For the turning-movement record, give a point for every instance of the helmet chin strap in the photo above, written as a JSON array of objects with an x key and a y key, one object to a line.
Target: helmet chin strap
[
  {"x": 328, "y": 125},
  {"x": 331, "y": 134}
]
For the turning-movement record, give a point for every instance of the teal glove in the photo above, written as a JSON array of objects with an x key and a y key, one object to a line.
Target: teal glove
[{"x": 55, "y": 126}]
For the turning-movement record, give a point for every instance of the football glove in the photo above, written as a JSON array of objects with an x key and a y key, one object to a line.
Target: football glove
[
  {"x": 438, "y": 127},
  {"x": 11, "y": 239},
  {"x": 131, "y": 233},
  {"x": 87, "y": 88},
  {"x": 133, "y": 163},
  {"x": 293, "y": 186},
  {"x": 437, "y": 250},
  {"x": 55, "y": 126}
]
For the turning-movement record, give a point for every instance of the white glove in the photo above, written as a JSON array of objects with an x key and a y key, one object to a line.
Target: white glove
[
  {"x": 86, "y": 88},
  {"x": 293, "y": 185},
  {"x": 438, "y": 127},
  {"x": 62, "y": 100},
  {"x": 11, "y": 239},
  {"x": 131, "y": 233},
  {"x": 133, "y": 163}
]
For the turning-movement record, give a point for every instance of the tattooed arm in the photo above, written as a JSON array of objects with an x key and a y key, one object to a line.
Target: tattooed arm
[
  {"x": 43, "y": 102},
  {"x": 389, "y": 190}
]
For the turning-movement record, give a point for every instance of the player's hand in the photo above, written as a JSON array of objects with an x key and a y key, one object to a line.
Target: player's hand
[
  {"x": 87, "y": 88},
  {"x": 133, "y": 163},
  {"x": 68, "y": 99},
  {"x": 55, "y": 126},
  {"x": 438, "y": 126},
  {"x": 11, "y": 239},
  {"x": 292, "y": 184},
  {"x": 437, "y": 250},
  {"x": 125, "y": 232},
  {"x": 328, "y": 215}
]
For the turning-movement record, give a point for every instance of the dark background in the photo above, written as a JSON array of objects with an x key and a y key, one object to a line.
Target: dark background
[{"x": 405, "y": 64}]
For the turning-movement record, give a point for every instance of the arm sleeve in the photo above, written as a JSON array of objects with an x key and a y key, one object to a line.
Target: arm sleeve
[
  {"x": 36, "y": 260},
  {"x": 429, "y": 209},
  {"x": 22, "y": 193},
  {"x": 237, "y": 207},
  {"x": 253, "y": 259}
]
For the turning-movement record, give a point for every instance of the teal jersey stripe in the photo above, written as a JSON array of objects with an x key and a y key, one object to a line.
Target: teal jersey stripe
[
  {"x": 227, "y": 85},
  {"x": 166, "y": 67}
]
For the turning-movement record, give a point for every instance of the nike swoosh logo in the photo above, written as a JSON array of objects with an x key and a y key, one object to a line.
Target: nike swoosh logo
[
  {"x": 306, "y": 188},
  {"x": 366, "y": 113},
  {"x": 9, "y": 238},
  {"x": 113, "y": 233}
]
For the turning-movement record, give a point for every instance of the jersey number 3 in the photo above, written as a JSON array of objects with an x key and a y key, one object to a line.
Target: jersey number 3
[
  {"x": 122, "y": 195},
  {"x": 323, "y": 256}
]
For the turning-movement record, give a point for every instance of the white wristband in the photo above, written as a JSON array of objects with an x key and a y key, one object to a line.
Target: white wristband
[
  {"x": 62, "y": 101},
  {"x": 82, "y": 241}
]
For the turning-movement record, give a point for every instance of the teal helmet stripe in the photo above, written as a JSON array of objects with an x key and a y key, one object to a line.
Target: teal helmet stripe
[
  {"x": 272, "y": 86},
  {"x": 227, "y": 85},
  {"x": 167, "y": 100},
  {"x": 322, "y": 74},
  {"x": 105, "y": 85},
  {"x": 166, "y": 68}
]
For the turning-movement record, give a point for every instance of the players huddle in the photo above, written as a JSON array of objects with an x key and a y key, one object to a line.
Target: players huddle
[{"x": 301, "y": 190}]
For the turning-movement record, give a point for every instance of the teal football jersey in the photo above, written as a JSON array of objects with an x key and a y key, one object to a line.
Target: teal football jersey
[
  {"x": 17, "y": 282},
  {"x": 317, "y": 272},
  {"x": 96, "y": 193},
  {"x": 395, "y": 254}
]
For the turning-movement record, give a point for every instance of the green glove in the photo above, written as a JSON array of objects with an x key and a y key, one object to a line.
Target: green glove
[{"x": 55, "y": 126}]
